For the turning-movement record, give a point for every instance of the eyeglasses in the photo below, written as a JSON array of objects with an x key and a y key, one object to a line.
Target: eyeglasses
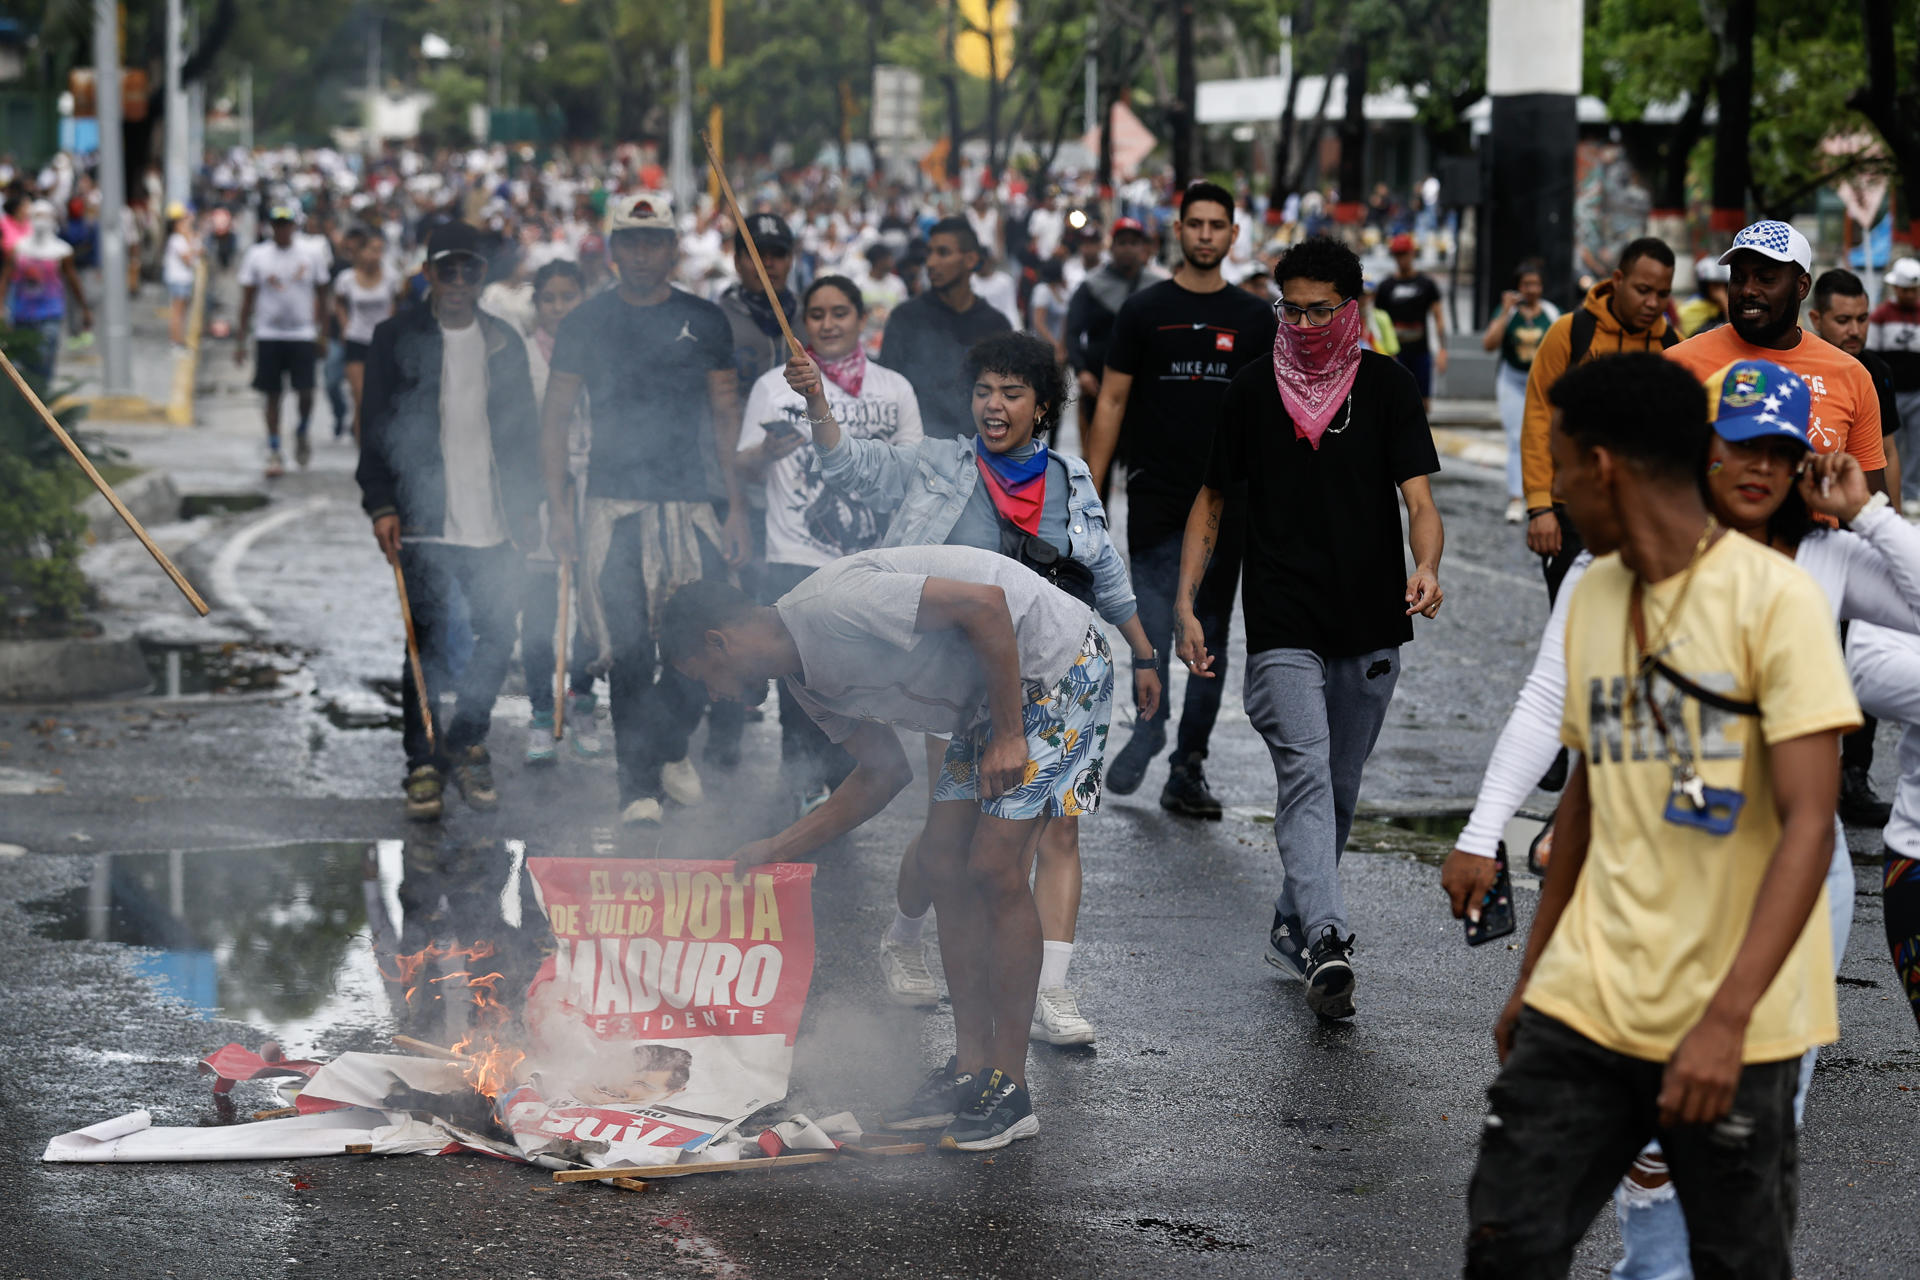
[
  {"x": 1318, "y": 316},
  {"x": 461, "y": 269}
]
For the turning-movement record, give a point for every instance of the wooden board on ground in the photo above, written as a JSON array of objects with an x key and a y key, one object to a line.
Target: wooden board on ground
[{"x": 652, "y": 1171}]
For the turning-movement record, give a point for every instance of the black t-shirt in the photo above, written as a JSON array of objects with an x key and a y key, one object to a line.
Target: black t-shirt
[
  {"x": 1883, "y": 386},
  {"x": 1408, "y": 302},
  {"x": 645, "y": 372},
  {"x": 926, "y": 342},
  {"x": 1325, "y": 568},
  {"x": 1181, "y": 349}
]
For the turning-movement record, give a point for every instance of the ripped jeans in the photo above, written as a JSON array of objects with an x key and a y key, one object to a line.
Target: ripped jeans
[{"x": 1565, "y": 1119}]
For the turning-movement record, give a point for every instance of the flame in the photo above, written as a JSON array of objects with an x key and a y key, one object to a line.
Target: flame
[{"x": 488, "y": 1062}]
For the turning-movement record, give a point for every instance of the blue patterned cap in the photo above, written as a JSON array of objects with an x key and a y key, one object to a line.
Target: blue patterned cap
[
  {"x": 1749, "y": 399},
  {"x": 1776, "y": 240}
]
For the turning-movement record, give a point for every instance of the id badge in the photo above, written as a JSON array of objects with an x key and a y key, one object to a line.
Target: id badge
[{"x": 1716, "y": 815}]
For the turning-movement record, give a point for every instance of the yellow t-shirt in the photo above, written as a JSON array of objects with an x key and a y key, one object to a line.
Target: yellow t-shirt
[{"x": 1661, "y": 909}]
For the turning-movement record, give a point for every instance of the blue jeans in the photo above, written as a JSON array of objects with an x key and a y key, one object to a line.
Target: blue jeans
[
  {"x": 1155, "y": 568},
  {"x": 1510, "y": 391},
  {"x": 489, "y": 579},
  {"x": 39, "y": 370},
  {"x": 334, "y": 377}
]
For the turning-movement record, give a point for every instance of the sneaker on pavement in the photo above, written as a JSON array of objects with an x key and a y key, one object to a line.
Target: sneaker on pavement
[
  {"x": 473, "y": 774},
  {"x": 681, "y": 781},
  {"x": 1057, "y": 1018},
  {"x": 424, "y": 787},
  {"x": 644, "y": 812},
  {"x": 583, "y": 731},
  {"x": 1129, "y": 768},
  {"x": 1000, "y": 1114},
  {"x": 1516, "y": 510},
  {"x": 1860, "y": 805},
  {"x": 302, "y": 451},
  {"x": 1187, "y": 793},
  {"x": 276, "y": 465},
  {"x": 1284, "y": 949},
  {"x": 904, "y": 964},
  {"x": 540, "y": 740},
  {"x": 1330, "y": 975},
  {"x": 937, "y": 1100}
]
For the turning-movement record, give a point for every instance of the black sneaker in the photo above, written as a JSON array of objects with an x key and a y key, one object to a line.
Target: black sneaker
[
  {"x": 1129, "y": 768},
  {"x": 1556, "y": 775},
  {"x": 1285, "y": 946},
  {"x": 937, "y": 1100},
  {"x": 1330, "y": 975},
  {"x": 473, "y": 774},
  {"x": 1000, "y": 1114},
  {"x": 1860, "y": 806},
  {"x": 1187, "y": 793}
]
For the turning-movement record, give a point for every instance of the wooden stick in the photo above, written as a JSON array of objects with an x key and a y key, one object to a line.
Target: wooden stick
[
  {"x": 753, "y": 250},
  {"x": 424, "y": 1047},
  {"x": 561, "y": 631},
  {"x": 628, "y": 1184},
  {"x": 413, "y": 653},
  {"x": 651, "y": 1171},
  {"x": 359, "y": 1148},
  {"x": 887, "y": 1149},
  {"x": 278, "y": 1113},
  {"x": 106, "y": 490}
]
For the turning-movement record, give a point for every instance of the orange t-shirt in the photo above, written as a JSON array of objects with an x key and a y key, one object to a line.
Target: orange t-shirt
[{"x": 1846, "y": 409}]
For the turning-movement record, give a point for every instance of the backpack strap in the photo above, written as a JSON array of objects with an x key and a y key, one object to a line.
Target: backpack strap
[{"x": 1580, "y": 336}]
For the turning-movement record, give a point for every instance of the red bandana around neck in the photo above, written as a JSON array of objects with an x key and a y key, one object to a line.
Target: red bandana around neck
[
  {"x": 1314, "y": 369},
  {"x": 848, "y": 373},
  {"x": 1018, "y": 487}
]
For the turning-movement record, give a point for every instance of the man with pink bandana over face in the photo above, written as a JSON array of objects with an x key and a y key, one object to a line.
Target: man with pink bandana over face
[{"x": 1315, "y": 443}]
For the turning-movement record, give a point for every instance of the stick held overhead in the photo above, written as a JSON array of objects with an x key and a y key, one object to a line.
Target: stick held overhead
[
  {"x": 753, "y": 250},
  {"x": 106, "y": 490}
]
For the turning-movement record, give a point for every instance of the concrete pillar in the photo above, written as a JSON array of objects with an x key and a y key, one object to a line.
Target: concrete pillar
[{"x": 1533, "y": 81}]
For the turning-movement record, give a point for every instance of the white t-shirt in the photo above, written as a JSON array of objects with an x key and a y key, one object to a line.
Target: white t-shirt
[
  {"x": 176, "y": 268},
  {"x": 466, "y": 441},
  {"x": 809, "y": 523},
  {"x": 284, "y": 281},
  {"x": 998, "y": 291},
  {"x": 367, "y": 305}
]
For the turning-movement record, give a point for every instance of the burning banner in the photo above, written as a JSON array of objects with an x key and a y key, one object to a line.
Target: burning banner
[{"x": 665, "y": 1016}]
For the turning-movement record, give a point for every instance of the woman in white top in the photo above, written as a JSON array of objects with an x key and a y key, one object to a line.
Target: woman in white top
[
  {"x": 363, "y": 296},
  {"x": 176, "y": 271},
  {"x": 810, "y": 524},
  {"x": 1771, "y": 489}
]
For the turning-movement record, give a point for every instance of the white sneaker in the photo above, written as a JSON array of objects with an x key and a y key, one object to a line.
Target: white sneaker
[
  {"x": 583, "y": 730},
  {"x": 1911, "y": 509},
  {"x": 642, "y": 813},
  {"x": 1516, "y": 511},
  {"x": 681, "y": 781},
  {"x": 1057, "y": 1018},
  {"x": 904, "y": 965}
]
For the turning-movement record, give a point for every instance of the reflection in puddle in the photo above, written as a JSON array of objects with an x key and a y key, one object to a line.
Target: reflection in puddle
[{"x": 295, "y": 939}]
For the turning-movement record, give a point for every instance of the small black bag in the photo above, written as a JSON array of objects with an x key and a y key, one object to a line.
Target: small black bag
[{"x": 1049, "y": 561}]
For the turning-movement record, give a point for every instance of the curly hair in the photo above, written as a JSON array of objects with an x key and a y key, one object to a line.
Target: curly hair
[
  {"x": 1030, "y": 360},
  {"x": 1324, "y": 259}
]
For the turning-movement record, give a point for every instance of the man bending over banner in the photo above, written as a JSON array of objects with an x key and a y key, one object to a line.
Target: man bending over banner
[{"x": 939, "y": 640}]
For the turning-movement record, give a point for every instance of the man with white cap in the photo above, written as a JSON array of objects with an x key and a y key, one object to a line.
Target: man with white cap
[
  {"x": 1769, "y": 269},
  {"x": 657, "y": 366},
  {"x": 1893, "y": 331},
  {"x": 289, "y": 289}
]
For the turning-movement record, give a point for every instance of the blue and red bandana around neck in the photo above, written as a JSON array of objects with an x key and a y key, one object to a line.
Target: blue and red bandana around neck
[{"x": 1018, "y": 486}]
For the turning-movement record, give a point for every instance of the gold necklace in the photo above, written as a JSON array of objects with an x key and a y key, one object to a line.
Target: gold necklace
[{"x": 1646, "y": 655}]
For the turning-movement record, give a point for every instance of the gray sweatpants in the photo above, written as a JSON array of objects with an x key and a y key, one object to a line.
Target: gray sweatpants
[{"x": 1320, "y": 717}]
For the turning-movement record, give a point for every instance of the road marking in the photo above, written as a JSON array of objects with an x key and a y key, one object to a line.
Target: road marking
[
  {"x": 1460, "y": 562},
  {"x": 225, "y": 575}
]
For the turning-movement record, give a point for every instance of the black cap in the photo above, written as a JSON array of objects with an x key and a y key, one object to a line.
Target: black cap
[
  {"x": 769, "y": 233},
  {"x": 451, "y": 238}
]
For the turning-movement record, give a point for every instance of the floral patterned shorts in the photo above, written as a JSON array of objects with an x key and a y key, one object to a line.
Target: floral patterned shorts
[{"x": 1066, "y": 745}]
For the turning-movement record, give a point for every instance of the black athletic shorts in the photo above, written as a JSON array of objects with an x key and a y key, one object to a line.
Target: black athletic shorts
[
  {"x": 356, "y": 352},
  {"x": 277, "y": 360}
]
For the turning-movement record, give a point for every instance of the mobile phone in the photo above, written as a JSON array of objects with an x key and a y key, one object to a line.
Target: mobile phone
[{"x": 1496, "y": 908}]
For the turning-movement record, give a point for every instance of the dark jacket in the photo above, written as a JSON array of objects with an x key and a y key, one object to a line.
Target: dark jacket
[
  {"x": 1091, "y": 313},
  {"x": 401, "y": 470}
]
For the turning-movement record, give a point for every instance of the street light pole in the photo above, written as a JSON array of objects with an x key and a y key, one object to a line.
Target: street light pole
[
  {"x": 177, "y": 109},
  {"x": 116, "y": 338}
]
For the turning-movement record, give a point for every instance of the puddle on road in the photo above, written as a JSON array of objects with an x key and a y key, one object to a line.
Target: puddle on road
[
  {"x": 293, "y": 939},
  {"x": 218, "y": 669}
]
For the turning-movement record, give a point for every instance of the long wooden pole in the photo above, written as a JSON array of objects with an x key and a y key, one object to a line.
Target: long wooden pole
[
  {"x": 413, "y": 653},
  {"x": 561, "y": 632},
  {"x": 753, "y": 250},
  {"x": 106, "y": 490}
]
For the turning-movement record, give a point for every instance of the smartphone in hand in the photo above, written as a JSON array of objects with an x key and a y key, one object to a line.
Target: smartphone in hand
[{"x": 1496, "y": 909}]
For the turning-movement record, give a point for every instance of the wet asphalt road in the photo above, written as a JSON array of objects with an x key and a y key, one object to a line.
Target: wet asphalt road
[{"x": 1217, "y": 1128}]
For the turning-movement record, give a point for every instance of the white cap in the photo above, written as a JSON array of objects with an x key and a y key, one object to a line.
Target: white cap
[
  {"x": 1776, "y": 240},
  {"x": 1707, "y": 271},
  {"x": 1904, "y": 274},
  {"x": 647, "y": 211}
]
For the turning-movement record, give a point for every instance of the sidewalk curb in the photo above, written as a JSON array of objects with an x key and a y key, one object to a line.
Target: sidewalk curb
[
  {"x": 73, "y": 668},
  {"x": 151, "y": 496},
  {"x": 1469, "y": 447}
]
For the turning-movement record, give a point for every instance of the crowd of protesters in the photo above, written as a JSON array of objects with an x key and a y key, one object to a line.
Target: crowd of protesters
[{"x": 557, "y": 368}]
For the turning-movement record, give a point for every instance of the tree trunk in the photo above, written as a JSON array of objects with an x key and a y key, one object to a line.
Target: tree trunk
[
  {"x": 993, "y": 97},
  {"x": 873, "y": 67},
  {"x": 950, "y": 80},
  {"x": 1283, "y": 145},
  {"x": 1895, "y": 115},
  {"x": 1732, "y": 22},
  {"x": 1353, "y": 135},
  {"x": 1183, "y": 96}
]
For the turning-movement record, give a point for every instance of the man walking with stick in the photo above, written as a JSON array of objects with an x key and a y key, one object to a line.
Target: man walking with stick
[{"x": 449, "y": 472}]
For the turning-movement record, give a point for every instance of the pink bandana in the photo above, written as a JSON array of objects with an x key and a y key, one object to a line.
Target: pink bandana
[
  {"x": 1314, "y": 369},
  {"x": 846, "y": 373}
]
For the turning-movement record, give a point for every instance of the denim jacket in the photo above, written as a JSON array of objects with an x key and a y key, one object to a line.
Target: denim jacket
[{"x": 927, "y": 485}]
